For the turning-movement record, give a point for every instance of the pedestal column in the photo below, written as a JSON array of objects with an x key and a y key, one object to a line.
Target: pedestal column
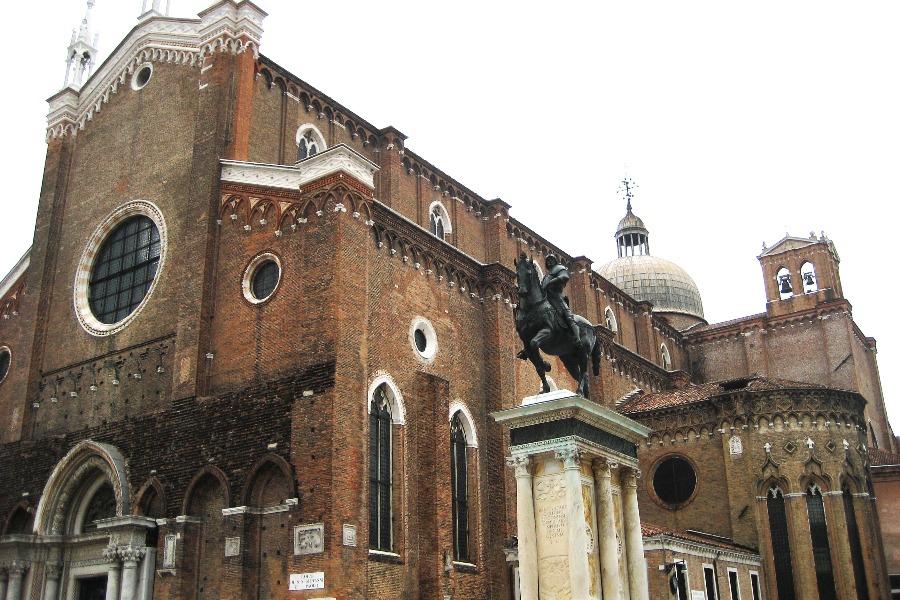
[
  {"x": 579, "y": 572},
  {"x": 528, "y": 567},
  {"x": 111, "y": 553},
  {"x": 15, "y": 571},
  {"x": 606, "y": 525},
  {"x": 131, "y": 556},
  {"x": 634, "y": 540},
  {"x": 51, "y": 587}
]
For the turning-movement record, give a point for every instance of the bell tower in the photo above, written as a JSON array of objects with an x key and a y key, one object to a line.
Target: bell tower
[
  {"x": 82, "y": 53},
  {"x": 800, "y": 272}
]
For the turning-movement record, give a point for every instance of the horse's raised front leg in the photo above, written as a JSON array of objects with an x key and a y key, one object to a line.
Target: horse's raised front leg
[{"x": 534, "y": 354}]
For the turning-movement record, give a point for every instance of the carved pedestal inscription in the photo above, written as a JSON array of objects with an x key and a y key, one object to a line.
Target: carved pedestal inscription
[{"x": 552, "y": 532}]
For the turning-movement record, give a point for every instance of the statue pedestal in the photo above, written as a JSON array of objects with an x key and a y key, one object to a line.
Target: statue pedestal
[{"x": 579, "y": 527}]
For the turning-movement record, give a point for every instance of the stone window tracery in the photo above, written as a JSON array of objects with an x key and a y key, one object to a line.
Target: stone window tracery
[
  {"x": 380, "y": 471},
  {"x": 439, "y": 220},
  {"x": 611, "y": 323},
  {"x": 674, "y": 481},
  {"x": 309, "y": 142}
]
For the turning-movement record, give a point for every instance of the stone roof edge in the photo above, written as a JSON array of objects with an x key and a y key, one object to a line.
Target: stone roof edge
[
  {"x": 15, "y": 274},
  {"x": 764, "y": 321},
  {"x": 672, "y": 542}
]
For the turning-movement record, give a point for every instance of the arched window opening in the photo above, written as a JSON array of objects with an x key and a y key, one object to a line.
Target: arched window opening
[
  {"x": 818, "y": 531},
  {"x": 665, "y": 358},
  {"x": 380, "y": 471},
  {"x": 856, "y": 552},
  {"x": 781, "y": 545},
  {"x": 309, "y": 142},
  {"x": 439, "y": 220},
  {"x": 459, "y": 475},
  {"x": 808, "y": 277},
  {"x": 611, "y": 323},
  {"x": 102, "y": 505},
  {"x": 785, "y": 286}
]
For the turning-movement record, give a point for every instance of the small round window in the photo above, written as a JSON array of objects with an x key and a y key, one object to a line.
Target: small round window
[
  {"x": 423, "y": 338},
  {"x": 5, "y": 360},
  {"x": 261, "y": 278},
  {"x": 141, "y": 76},
  {"x": 674, "y": 481}
]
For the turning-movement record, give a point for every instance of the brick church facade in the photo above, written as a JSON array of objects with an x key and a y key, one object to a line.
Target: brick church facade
[{"x": 255, "y": 345}]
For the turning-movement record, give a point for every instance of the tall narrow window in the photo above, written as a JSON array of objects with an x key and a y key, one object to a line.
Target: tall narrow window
[
  {"x": 709, "y": 578},
  {"x": 785, "y": 285},
  {"x": 733, "y": 587},
  {"x": 781, "y": 546},
  {"x": 856, "y": 554},
  {"x": 380, "y": 532},
  {"x": 808, "y": 275},
  {"x": 437, "y": 223},
  {"x": 754, "y": 586},
  {"x": 611, "y": 321},
  {"x": 439, "y": 220},
  {"x": 818, "y": 531},
  {"x": 460, "y": 490}
]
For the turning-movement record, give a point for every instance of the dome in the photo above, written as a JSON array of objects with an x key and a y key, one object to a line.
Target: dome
[
  {"x": 656, "y": 280},
  {"x": 630, "y": 221}
]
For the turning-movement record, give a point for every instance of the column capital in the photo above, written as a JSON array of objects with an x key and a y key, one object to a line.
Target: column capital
[
  {"x": 54, "y": 570},
  {"x": 17, "y": 567},
  {"x": 630, "y": 475},
  {"x": 111, "y": 553},
  {"x": 603, "y": 467},
  {"x": 571, "y": 457},
  {"x": 131, "y": 555},
  {"x": 522, "y": 465}
]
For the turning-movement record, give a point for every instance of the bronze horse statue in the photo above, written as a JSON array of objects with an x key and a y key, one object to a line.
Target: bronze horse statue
[{"x": 541, "y": 328}]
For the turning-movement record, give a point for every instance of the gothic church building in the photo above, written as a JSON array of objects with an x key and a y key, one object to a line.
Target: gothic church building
[{"x": 260, "y": 362}]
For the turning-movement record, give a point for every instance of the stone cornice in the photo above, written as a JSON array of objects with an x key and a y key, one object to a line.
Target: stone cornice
[
  {"x": 765, "y": 324},
  {"x": 337, "y": 159},
  {"x": 675, "y": 544}
]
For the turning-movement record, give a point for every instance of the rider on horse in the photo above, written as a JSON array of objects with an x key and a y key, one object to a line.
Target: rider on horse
[{"x": 553, "y": 283}]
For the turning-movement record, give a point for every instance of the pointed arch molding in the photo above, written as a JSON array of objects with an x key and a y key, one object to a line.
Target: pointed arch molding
[
  {"x": 467, "y": 421},
  {"x": 69, "y": 475}
]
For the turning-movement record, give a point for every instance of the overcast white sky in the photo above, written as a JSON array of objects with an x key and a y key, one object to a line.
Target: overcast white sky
[{"x": 739, "y": 122}]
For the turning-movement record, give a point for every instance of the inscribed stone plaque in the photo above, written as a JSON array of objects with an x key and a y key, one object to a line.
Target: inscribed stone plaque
[
  {"x": 349, "y": 535},
  {"x": 309, "y": 539},
  {"x": 307, "y": 581},
  {"x": 232, "y": 546},
  {"x": 552, "y": 531},
  {"x": 169, "y": 552}
]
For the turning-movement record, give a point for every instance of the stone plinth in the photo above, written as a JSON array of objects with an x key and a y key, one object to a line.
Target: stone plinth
[{"x": 578, "y": 522}]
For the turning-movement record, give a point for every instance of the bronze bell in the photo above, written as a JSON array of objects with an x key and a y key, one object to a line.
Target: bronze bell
[
  {"x": 786, "y": 285},
  {"x": 809, "y": 279}
]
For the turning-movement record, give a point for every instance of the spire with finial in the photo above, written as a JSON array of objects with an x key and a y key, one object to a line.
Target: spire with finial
[
  {"x": 82, "y": 53},
  {"x": 154, "y": 10}
]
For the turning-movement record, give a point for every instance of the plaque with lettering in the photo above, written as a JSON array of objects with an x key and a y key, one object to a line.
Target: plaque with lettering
[{"x": 307, "y": 581}]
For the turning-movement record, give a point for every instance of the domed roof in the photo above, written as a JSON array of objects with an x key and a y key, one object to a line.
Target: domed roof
[
  {"x": 656, "y": 280},
  {"x": 630, "y": 221}
]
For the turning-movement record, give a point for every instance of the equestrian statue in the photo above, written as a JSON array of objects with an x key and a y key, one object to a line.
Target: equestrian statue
[{"x": 545, "y": 322}]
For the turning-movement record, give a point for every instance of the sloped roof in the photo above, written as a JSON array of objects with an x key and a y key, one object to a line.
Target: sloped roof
[
  {"x": 699, "y": 393},
  {"x": 649, "y": 529},
  {"x": 883, "y": 458}
]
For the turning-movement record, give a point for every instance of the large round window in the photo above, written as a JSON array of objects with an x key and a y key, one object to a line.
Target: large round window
[
  {"x": 674, "y": 481},
  {"x": 118, "y": 269},
  {"x": 423, "y": 338},
  {"x": 5, "y": 360},
  {"x": 124, "y": 269},
  {"x": 261, "y": 277}
]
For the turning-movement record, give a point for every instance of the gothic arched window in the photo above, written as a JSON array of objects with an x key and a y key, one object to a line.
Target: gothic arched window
[
  {"x": 665, "y": 357},
  {"x": 781, "y": 544},
  {"x": 439, "y": 220},
  {"x": 818, "y": 531},
  {"x": 380, "y": 471},
  {"x": 460, "y": 482},
  {"x": 309, "y": 142},
  {"x": 611, "y": 323}
]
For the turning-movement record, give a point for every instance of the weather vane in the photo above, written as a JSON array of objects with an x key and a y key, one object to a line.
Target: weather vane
[{"x": 628, "y": 186}]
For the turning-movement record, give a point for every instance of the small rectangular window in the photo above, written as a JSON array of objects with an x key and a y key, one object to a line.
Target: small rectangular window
[
  {"x": 754, "y": 585},
  {"x": 733, "y": 585},
  {"x": 709, "y": 578}
]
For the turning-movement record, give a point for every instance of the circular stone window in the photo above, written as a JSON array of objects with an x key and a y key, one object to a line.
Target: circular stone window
[
  {"x": 141, "y": 76},
  {"x": 118, "y": 268},
  {"x": 261, "y": 278},
  {"x": 423, "y": 338},
  {"x": 674, "y": 481},
  {"x": 5, "y": 360}
]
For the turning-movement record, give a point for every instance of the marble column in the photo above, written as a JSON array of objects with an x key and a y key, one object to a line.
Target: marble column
[
  {"x": 634, "y": 540},
  {"x": 15, "y": 571},
  {"x": 131, "y": 556},
  {"x": 51, "y": 587},
  {"x": 111, "y": 553},
  {"x": 579, "y": 570},
  {"x": 606, "y": 526},
  {"x": 528, "y": 567}
]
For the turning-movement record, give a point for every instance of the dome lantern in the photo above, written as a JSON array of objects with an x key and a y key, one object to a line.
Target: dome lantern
[{"x": 632, "y": 238}]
